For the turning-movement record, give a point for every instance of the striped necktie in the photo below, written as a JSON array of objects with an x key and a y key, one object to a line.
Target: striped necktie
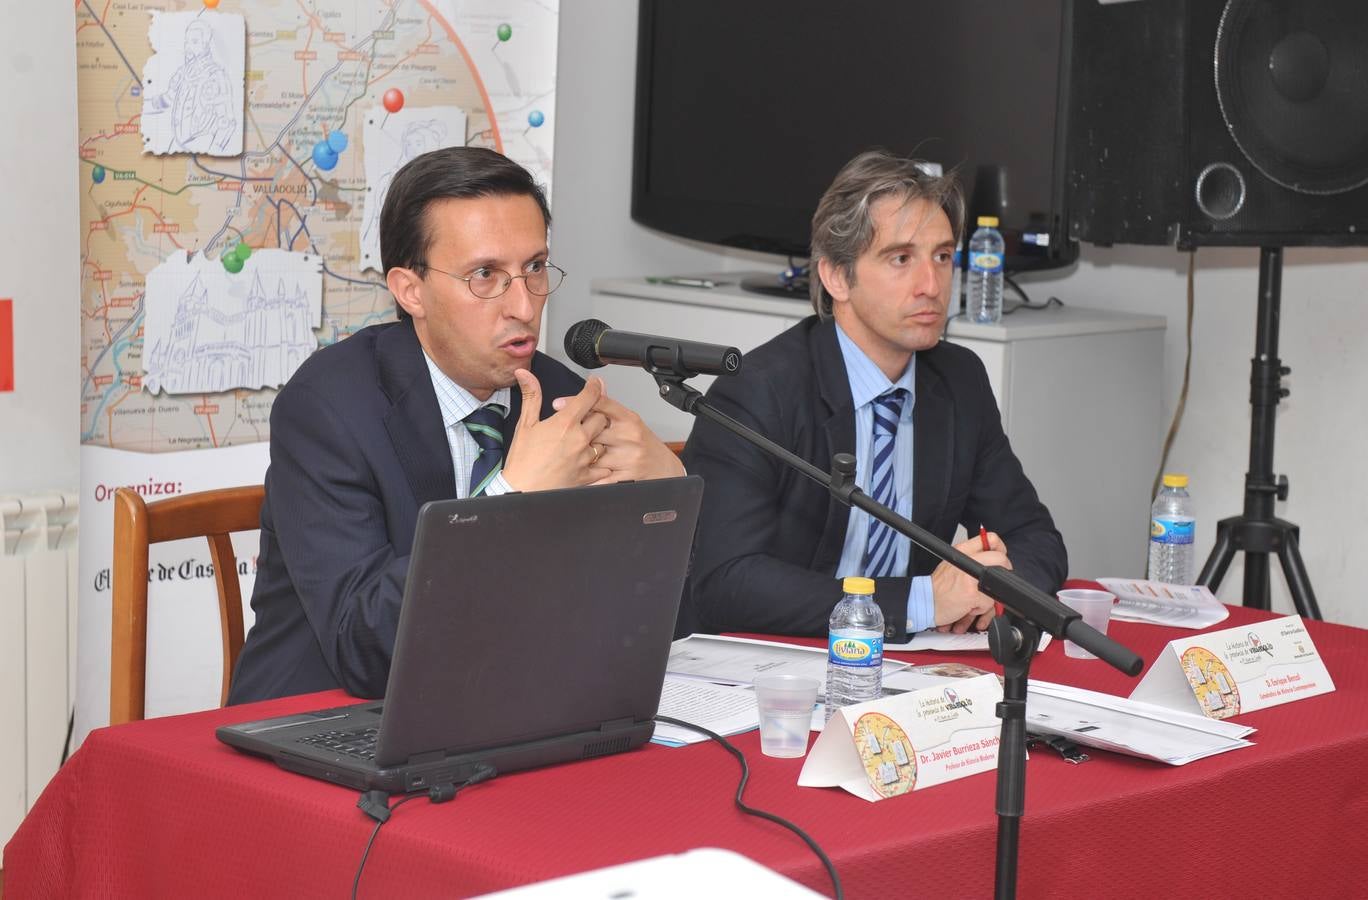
[
  {"x": 880, "y": 554},
  {"x": 484, "y": 426}
]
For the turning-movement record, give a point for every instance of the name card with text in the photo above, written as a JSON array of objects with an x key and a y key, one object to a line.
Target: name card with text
[
  {"x": 1237, "y": 670},
  {"x": 907, "y": 742}
]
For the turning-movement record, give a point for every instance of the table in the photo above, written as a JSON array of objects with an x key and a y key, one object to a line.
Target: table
[{"x": 160, "y": 809}]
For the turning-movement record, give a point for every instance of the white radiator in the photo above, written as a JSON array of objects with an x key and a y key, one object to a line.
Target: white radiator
[{"x": 37, "y": 645}]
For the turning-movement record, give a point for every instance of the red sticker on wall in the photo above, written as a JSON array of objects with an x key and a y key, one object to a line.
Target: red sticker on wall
[{"x": 6, "y": 345}]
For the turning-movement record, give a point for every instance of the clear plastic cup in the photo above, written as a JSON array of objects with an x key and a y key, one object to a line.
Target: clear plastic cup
[
  {"x": 1094, "y": 606},
  {"x": 785, "y": 703}
]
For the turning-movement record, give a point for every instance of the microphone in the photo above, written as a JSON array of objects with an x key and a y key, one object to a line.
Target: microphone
[{"x": 592, "y": 344}]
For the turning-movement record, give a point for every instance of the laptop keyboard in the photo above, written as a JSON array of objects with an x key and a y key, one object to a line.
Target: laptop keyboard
[{"x": 358, "y": 742}]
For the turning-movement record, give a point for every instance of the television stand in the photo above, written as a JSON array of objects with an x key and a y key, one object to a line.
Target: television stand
[{"x": 775, "y": 285}]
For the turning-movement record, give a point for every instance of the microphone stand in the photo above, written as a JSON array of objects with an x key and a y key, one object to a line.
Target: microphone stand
[{"x": 1013, "y": 636}]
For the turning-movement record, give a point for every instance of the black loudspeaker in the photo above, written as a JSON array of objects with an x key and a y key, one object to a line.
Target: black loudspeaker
[{"x": 1218, "y": 122}]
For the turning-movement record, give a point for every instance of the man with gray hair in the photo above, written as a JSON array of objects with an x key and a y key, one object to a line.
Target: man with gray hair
[{"x": 867, "y": 375}]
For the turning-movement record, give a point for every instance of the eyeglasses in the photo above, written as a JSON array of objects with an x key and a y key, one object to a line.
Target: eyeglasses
[{"x": 488, "y": 283}]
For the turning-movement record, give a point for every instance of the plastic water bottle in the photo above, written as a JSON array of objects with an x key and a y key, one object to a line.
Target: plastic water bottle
[
  {"x": 854, "y": 647},
  {"x": 1172, "y": 555},
  {"x": 986, "y": 251}
]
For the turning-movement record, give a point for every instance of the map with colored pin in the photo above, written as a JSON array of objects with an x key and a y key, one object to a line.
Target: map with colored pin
[
  {"x": 315, "y": 73},
  {"x": 234, "y": 259},
  {"x": 324, "y": 156}
]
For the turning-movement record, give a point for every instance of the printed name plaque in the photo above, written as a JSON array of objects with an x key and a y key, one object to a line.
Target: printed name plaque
[
  {"x": 893, "y": 745},
  {"x": 1237, "y": 670}
]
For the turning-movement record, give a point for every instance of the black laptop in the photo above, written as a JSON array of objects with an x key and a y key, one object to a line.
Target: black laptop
[{"x": 535, "y": 629}]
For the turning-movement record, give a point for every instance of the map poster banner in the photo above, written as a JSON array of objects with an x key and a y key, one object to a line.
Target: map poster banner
[
  {"x": 1237, "y": 670},
  {"x": 256, "y": 227}
]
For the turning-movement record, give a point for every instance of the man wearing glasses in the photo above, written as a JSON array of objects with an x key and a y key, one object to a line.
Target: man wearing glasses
[{"x": 373, "y": 427}]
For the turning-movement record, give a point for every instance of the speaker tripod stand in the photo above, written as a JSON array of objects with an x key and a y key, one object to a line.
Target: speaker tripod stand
[{"x": 1257, "y": 532}]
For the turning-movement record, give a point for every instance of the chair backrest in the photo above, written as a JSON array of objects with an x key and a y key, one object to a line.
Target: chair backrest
[
  {"x": 214, "y": 515},
  {"x": 676, "y": 446}
]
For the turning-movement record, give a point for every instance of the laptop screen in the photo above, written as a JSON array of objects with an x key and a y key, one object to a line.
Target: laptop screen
[{"x": 527, "y": 616}]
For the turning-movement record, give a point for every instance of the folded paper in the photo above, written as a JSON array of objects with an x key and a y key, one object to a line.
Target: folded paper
[
  {"x": 1237, "y": 670},
  {"x": 908, "y": 742}
]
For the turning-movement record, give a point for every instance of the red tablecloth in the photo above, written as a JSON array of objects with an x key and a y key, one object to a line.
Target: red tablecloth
[{"x": 161, "y": 809}]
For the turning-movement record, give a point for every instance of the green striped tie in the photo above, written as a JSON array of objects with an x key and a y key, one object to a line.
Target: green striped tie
[{"x": 484, "y": 425}]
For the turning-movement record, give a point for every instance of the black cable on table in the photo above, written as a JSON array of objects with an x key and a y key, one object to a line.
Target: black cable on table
[
  {"x": 752, "y": 811},
  {"x": 376, "y": 805}
]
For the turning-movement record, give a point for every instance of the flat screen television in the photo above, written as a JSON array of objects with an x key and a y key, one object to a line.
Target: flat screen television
[{"x": 746, "y": 109}]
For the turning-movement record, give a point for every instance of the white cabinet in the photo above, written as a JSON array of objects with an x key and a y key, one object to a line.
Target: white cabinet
[{"x": 1079, "y": 391}]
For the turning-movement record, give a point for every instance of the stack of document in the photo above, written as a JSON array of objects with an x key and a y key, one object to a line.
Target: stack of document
[
  {"x": 709, "y": 684},
  {"x": 969, "y": 642},
  {"x": 709, "y": 680},
  {"x": 725, "y": 709},
  {"x": 1100, "y": 720},
  {"x": 729, "y": 660},
  {"x": 1129, "y": 727},
  {"x": 1182, "y": 606}
]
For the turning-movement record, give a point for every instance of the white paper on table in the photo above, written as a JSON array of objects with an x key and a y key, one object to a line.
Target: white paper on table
[
  {"x": 724, "y": 709},
  {"x": 1126, "y": 726},
  {"x": 192, "y": 84},
  {"x": 916, "y": 678},
  {"x": 731, "y": 660},
  {"x": 1181, "y": 606},
  {"x": 936, "y": 640},
  {"x": 908, "y": 742}
]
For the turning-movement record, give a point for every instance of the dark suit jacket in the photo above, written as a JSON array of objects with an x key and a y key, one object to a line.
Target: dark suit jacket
[
  {"x": 769, "y": 539},
  {"x": 357, "y": 446}
]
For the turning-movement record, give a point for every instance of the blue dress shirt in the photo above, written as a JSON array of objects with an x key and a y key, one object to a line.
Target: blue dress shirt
[{"x": 867, "y": 381}]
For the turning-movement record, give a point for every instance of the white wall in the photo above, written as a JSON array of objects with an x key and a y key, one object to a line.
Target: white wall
[
  {"x": 593, "y": 234},
  {"x": 1321, "y": 426},
  {"x": 40, "y": 247}
]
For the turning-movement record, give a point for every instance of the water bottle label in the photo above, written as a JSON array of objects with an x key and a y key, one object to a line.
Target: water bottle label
[
  {"x": 1168, "y": 530},
  {"x": 855, "y": 651},
  {"x": 985, "y": 262}
]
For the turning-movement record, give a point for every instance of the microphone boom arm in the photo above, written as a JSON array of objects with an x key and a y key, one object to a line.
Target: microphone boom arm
[{"x": 1013, "y": 637}]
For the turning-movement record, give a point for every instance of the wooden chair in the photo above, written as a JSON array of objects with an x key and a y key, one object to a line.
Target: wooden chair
[
  {"x": 676, "y": 446},
  {"x": 210, "y": 514}
]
